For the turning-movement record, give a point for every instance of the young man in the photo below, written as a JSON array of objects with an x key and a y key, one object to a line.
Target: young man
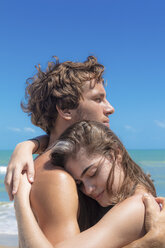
[{"x": 65, "y": 93}]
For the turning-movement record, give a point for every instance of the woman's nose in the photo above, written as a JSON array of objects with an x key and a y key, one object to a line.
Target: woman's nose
[{"x": 89, "y": 189}]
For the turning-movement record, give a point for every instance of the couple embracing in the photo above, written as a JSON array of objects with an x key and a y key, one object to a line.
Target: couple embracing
[{"x": 87, "y": 191}]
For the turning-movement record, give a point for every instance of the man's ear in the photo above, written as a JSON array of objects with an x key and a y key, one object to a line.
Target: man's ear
[{"x": 64, "y": 113}]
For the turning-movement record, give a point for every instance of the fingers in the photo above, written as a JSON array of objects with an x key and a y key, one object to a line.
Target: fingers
[
  {"x": 16, "y": 179},
  {"x": 8, "y": 185},
  {"x": 161, "y": 202},
  {"x": 17, "y": 175},
  {"x": 30, "y": 171},
  {"x": 151, "y": 205},
  {"x": 21, "y": 160},
  {"x": 151, "y": 211},
  {"x": 148, "y": 200},
  {"x": 12, "y": 178}
]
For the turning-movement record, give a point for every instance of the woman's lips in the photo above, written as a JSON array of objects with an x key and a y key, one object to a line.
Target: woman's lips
[{"x": 99, "y": 196}]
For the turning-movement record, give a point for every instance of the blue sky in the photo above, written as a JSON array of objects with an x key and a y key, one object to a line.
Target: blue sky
[{"x": 127, "y": 36}]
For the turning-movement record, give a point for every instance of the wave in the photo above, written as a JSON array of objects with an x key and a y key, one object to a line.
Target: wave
[
  {"x": 150, "y": 163},
  {"x": 3, "y": 170},
  {"x": 8, "y": 224}
]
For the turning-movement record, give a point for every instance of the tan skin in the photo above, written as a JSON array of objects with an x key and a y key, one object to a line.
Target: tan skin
[
  {"x": 96, "y": 237},
  {"x": 91, "y": 175},
  {"x": 52, "y": 188},
  {"x": 47, "y": 212},
  {"x": 154, "y": 223},
  {"x": 51, "y": 215},
  {"x": 59, "y": 221},
  {"x": 94, "y": 106}
]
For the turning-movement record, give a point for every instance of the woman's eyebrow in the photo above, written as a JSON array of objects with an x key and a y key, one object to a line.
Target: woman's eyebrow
[{"x": 85, "y": 170}]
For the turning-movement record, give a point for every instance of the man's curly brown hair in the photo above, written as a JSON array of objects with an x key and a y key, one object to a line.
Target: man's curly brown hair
[{"x": 61, "y": 84}]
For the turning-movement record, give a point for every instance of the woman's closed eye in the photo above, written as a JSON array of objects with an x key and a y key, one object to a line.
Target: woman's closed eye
[{"x": 92, "y": 172}]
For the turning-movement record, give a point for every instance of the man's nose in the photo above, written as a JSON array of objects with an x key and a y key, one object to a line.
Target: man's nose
[{"x": 108, "y": 108}]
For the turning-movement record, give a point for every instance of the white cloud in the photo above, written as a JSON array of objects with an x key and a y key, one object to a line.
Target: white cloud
[
  {"x": 160, "y": 123},
  {"x": 14, "y": 129},
  {"x": 129, "y": 128},
  {"x": 25, "y": 129},
  {"x": 29, "y": 129}
]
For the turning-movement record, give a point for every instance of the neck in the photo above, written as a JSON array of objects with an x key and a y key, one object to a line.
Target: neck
[
  {"x": 53, "y": 137},
  {"x": 59, "y": 127}
]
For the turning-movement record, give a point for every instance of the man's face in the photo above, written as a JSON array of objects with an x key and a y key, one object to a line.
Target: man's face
[{"x": 94, "y": 105}]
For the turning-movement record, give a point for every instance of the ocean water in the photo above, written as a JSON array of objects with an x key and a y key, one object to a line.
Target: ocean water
[
  {"x": 7, "y": 215},
  {"x": 152, "y": 162}
]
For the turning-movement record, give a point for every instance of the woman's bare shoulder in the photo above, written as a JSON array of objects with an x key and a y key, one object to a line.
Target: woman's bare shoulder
[
  {"x": 132, "y": 213},
  {"x": 126, "y": 221}
]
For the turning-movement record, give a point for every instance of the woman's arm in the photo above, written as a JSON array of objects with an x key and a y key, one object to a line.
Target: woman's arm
[{"x": 22, "y": 159}]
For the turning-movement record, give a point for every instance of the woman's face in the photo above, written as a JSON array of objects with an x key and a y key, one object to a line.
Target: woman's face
[{"x": 91, "y": 175}]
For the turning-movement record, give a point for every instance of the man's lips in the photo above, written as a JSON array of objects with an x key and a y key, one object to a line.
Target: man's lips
[{"x": 106, "y": 123}]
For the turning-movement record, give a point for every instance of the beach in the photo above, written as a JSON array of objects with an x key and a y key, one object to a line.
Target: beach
[
  {"x": 7, "y": 240},
  {"x": 7, "y": 246},
  {"x": 152, "y": 162},
  {"x": 8, "y": 225}
]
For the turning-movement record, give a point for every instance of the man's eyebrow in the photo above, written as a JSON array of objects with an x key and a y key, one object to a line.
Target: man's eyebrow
[
  {"x": 85, "y": 170},
  {"x": 100, "y": 94}
]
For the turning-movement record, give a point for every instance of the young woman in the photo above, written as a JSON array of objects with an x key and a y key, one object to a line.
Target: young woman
[
  {"x": 104, "y": 171},
  {"x": 100, "y": 164}
]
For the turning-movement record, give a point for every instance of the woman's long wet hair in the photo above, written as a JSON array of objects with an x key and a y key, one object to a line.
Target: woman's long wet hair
[{"x": 97, "y": 139}]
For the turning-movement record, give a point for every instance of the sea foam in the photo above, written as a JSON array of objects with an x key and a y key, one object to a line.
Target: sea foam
[
  {"x": 8, "y": 224},
  {"x": 3, "y": 170}
]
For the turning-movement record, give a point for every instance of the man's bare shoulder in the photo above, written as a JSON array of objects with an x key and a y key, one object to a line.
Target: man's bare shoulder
[
  {"x": 54, "y": 201},
  {"x": 53, "y": 188},
  {"x": 46, "y": 172},
  {"x": 53, "y": 178}
]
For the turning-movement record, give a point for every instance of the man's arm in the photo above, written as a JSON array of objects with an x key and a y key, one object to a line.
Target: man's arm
[
  {"x": 150, "y": 240},
  {"x": 22, "y": 159},
  {"x": 155, "y": 225}
]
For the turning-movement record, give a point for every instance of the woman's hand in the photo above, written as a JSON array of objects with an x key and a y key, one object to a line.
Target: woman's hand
[{"x": 21, "y": 160}]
